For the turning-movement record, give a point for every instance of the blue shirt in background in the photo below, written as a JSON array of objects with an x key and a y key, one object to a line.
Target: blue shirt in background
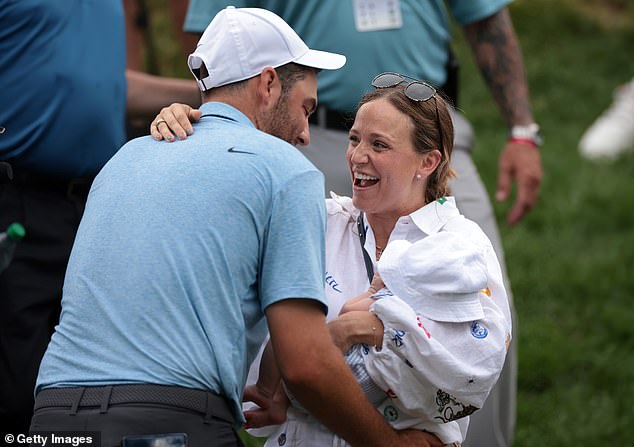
[
  {"x": 418, "y": 48},
  {"x": 63, "y": 94},
  {"x": 180, "y": 250}
]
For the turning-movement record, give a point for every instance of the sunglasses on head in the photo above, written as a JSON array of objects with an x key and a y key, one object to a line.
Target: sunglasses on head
[{"x": 414, "y": 89}]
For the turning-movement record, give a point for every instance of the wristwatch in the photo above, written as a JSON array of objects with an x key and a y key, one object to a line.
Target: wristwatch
[{"x": 529, "y": 133}]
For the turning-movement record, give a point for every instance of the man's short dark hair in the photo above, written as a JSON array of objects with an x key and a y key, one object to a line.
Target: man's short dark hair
[{"x": 291, "y": 73}]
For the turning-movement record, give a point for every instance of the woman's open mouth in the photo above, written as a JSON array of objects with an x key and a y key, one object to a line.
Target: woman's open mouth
[{"x": 364, "y": 180}]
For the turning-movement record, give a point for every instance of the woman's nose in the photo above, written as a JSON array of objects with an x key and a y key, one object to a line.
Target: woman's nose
[{"x": 358, "y": 154}]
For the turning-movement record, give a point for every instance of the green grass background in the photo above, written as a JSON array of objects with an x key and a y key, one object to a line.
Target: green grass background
[{"x": 571, "y": 261}]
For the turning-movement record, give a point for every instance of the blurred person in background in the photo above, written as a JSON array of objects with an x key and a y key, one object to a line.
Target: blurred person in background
[
  {"x": 612, "y": 133},
  {"x": 142, "y": 57},
  {"x": 64, "y": 100}
]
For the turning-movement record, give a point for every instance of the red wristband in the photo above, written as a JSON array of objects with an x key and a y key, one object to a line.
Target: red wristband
[{"x": 523, "y": 141}]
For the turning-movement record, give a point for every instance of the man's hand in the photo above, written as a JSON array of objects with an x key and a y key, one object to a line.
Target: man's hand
[
  {"x": 417, "y": 438},
  {"x": 174, "y": 119},
  {"x": 522, "y": 163}
]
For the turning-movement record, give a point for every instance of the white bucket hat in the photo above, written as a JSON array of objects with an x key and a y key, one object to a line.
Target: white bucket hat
[
  {"x": 240, "y": 42},
  {"x": 440, "y": 276}
]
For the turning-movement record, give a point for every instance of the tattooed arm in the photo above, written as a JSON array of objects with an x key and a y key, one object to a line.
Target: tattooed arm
[{"x": 498, "y": 55}]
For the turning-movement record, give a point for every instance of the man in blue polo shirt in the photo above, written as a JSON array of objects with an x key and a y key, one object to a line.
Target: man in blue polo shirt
[{"x": 183, "y": 249}]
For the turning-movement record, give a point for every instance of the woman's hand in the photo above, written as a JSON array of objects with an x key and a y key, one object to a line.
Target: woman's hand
[
  {"x": 174, "y": 119},
  {"x": 356, "y": 327}
]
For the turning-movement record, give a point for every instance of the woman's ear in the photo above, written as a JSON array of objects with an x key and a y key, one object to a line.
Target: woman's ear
[{"x": 429, "y": 163}]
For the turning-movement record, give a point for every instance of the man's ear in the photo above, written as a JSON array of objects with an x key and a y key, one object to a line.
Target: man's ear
[
  {"x": 269, "y": 87},
  {"x": 429, "y": 163}
]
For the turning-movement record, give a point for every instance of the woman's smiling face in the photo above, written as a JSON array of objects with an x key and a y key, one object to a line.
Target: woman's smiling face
[{"x": 388, "y": 175}]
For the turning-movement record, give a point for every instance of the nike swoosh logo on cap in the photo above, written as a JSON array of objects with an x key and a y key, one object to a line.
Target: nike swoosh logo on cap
[{"x": 235, "y": 151}]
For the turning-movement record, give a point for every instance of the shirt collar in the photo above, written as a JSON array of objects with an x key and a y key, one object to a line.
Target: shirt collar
[
  {"x": 429, "y": 219},
  {"x": 346, "y": 204},
  {"x": 433, "y": 216},
  {"x": 346, "y": 208},
  {"x": 225, "y": 110}
]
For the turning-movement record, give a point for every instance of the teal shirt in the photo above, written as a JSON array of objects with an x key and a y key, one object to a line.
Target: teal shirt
[
  {"x": 418, "y": 48},
  {"x": 63, "y": 87},
  {"x": 181, "y": 249}
]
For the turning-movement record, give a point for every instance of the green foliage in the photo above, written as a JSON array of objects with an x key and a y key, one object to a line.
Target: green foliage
[{"x": 571, "y": 260}]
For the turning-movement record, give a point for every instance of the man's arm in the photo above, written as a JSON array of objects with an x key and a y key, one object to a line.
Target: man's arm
[
  {"x": 147, "y": 94},
  {"x": 315, "y": 372},
  {"x": 497, "y": 54}
]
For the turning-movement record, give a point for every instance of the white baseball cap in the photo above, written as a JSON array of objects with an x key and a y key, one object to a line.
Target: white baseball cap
[
  {"x": 240, "y": 42},
  {"x": 441, "y": 276}
]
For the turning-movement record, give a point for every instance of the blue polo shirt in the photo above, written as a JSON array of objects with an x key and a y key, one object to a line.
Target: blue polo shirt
[
  {"x": 418, "y": 48},
  {"x": 181, "y": 248},
  {"x": 63, "y": 94}
]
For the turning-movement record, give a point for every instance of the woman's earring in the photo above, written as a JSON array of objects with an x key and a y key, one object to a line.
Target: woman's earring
[{"x": 418, "y": 176}]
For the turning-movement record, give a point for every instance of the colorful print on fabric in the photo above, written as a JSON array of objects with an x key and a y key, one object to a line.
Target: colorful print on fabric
[
  {"x": 390, "y": 413},
  {"x": 281, "y": 439},
  {"x": 397, "y": 339},
  {"x": 450, "y": 409},
  {"x": 478, "y": 331},
  {"x": 332, "y": 282},
  {"x": 420, "y": 325}
]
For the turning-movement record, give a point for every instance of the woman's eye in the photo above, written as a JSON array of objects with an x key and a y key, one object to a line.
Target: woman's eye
[{"x": 380, "y": 145}]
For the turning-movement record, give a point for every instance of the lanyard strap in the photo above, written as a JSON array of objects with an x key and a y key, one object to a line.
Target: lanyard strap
[{"x": 366, "y": 257}]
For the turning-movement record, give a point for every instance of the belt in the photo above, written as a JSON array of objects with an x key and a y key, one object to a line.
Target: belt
[
  {"x": 331, "y": 119},
  {"x": 72, "y": 187},
  {"x": 203, "y": 402}
]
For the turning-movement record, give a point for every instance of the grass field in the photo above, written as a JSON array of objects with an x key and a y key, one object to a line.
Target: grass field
[{"x": 571, "y": 261}]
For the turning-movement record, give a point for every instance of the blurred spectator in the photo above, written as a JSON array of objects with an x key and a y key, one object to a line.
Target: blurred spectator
[
  {"x": 64, "y": 98},
  {"x": 612, "y": 133},
  {"x": 142, "y": 58}
]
